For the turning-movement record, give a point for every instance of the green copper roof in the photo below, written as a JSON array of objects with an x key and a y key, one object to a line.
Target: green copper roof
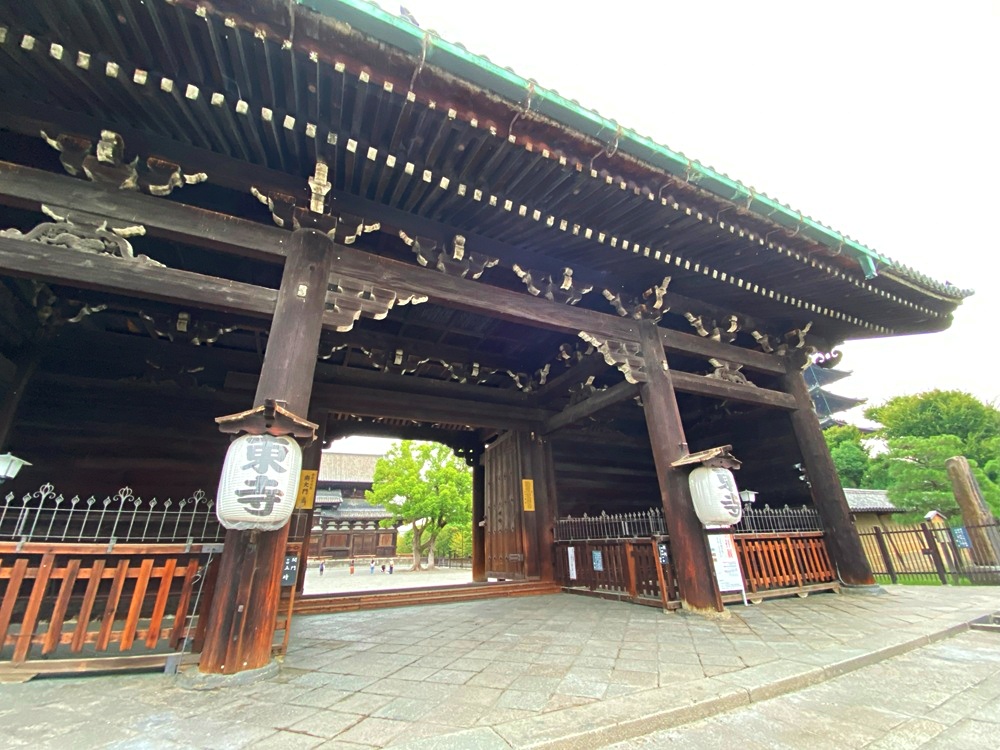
[{"x": 453, "y": 58}]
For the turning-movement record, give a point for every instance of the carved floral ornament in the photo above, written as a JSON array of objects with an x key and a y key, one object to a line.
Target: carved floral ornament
[
  {"x": 85, "y": 233},
  {"x": 104, "y": 162}
]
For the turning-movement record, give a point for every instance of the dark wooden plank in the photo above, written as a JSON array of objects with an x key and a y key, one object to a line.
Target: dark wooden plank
[
  {"x": 179, "y": 630},
  {"x": 30, "y": 619},
  {"x": 160, "y": 606},
  {"x": 111, "y": 608},
  {"x": 10, "y": 597},
  {"x": 132, "y": 278},
  {"x": 95, "y": 573},
  {"x": 615, "y": 394},
  {"x": 691, "y": 557},
  {"x": 54, "y": 635},
  {"x": 135, "y": 606},
  {"x": 702, "y": 385}
]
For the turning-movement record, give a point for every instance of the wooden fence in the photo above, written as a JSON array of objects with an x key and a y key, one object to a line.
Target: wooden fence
[
  {"x": 65, "y": 606},
  {"x": 632, "y": 569},
  {"x": 922, "y": 553},
  {"x": 784, "y": 563},
  {"x": 781, "y": 552}
]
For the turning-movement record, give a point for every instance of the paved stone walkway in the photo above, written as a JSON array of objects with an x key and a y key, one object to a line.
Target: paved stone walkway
[
  {"x": 945, "y": 696},
  {"x": 550, "y": 671}
]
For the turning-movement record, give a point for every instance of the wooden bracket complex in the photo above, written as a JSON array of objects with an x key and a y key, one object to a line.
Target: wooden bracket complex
[
  {"x": 270, "y": 418},
  {"x": 720, "y": 457}
]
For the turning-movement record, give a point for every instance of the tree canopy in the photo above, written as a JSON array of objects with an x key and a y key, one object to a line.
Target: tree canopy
[
  {"x": 426, "y": 486},
  {"x": 921, "y": 432}
]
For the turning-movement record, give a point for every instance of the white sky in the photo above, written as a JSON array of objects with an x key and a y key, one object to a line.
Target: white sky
[{"x": 878, "y": 119}]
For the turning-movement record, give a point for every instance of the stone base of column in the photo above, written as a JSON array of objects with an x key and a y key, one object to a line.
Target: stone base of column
[
  {"x": 192, "y": 679},
  {"x": 862, "y": 589}
]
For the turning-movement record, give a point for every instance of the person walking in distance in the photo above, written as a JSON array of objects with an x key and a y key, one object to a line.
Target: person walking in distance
[
  {"x": 371, "y": 567},
  {"x": 392, "y": 564},
  {"x": 322, "y": 567}
]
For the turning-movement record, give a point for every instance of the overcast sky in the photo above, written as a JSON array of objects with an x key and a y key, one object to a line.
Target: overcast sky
[{"x": 878, "y": 119}]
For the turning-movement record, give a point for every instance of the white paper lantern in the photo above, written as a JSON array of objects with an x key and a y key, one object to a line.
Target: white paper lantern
[
  {"x": 715, "y": 495},
  {"x": 259, "y": 481}
]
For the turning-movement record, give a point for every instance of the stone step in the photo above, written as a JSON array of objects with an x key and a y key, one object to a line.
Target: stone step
[{"x": 989, "y": 623}]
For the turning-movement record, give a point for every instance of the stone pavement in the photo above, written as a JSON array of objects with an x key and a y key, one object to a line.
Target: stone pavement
[
  {"x": 549, "y": 671},
  {"x": 945, "y": 696}
]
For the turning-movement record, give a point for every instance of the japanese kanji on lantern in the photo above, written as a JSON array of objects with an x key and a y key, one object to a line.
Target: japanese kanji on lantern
[
  {"x": 259, "y": 482},
  {"x": 715, "y": 495}
]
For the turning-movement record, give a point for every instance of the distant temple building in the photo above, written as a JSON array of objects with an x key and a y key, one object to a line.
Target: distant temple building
[
  {"x": 344, "y": 523},
  {"x": 825, "y": 403}
]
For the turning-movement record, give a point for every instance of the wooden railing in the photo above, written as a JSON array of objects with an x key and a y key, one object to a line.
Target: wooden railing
[
  {"x": 619, "y": 568},
  {"x": 785, "y": 562},
  {"x": 75, "y": 603},
  {"x": 773, "y": 564}
]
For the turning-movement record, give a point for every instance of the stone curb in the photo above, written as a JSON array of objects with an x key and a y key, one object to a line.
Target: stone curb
[{"x": 596, "y": 725}]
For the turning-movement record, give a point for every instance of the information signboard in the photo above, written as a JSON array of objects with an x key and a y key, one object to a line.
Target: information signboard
[
  {"x": 291, "y": 570},
  {"x": 571, "y": 555},
  {"x": 726, "y": 564}
]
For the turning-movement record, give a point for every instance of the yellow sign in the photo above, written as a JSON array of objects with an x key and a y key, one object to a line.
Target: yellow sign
[
  {"x": 307, "y": 490},
  {"x": 528, "y": 494}
]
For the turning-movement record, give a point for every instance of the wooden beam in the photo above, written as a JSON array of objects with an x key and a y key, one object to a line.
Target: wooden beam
[
  {"x": 696, "y": 582},
  {"x": 686, "y": 343},
  {"x": 558, "y": 386},
  {"x": 601, "y": 400},
  {"x": 702, "y": 385},
  {"x": 107, "y": 273},
  {"x": 22, "y": 185},
  {"x": 828, "y": 497}
]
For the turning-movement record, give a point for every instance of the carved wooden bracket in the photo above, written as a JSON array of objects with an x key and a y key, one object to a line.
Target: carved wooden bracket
[
  {"x": 53, "y": 311},
  {"x": 457, "y": 261},
  {"x": 182, "y": 328},
  {"x": 347, "y": 299},
  {"x": 85, "y": 233},
  {"x": 625, "y": 355},
  {"x": 104, "y": 162},
  {"x": 794, "y": 339},
  {"x": 724, "y": 332},
  {"x": 720, "y": 457},
  {"x": 270, "y": 418},
  {"x": 542, "y": 285},
  {"x": 651, "y": 306}
]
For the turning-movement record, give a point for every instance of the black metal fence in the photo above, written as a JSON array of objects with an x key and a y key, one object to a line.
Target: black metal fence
[
  {"x": 48, "y": 516},
  {"x": 935, "y": 554},
  {"x": 650, "y": 523},
  {"x": 615, "y": 526}
]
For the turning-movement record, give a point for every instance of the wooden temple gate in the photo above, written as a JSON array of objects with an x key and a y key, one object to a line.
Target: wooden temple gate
[{"x": 390, "y": 243}]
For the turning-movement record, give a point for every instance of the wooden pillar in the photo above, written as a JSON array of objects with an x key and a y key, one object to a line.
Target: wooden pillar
[
  {"x": 25, "y": 367},
  {"x": 842, "y": 538},
  {"x": 542, "y": 473},
  {"x": 692, "y": 559},
  {"x": 242, "y": 619},
  {"x": 478, "y": 516}
]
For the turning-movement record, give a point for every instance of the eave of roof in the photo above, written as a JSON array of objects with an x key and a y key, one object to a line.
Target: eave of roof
[{"x": 387, "y": 28}]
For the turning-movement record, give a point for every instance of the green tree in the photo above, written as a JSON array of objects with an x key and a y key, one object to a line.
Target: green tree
[
  {"x": 918, "y": 479},
  {"x": 925, "y": 415},
  {"x": 426, "y": 486},
  {"x": 848, "y": 453}
]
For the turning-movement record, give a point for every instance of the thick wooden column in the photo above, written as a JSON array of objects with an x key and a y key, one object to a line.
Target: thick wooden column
[
  {"x": 688, "y": 545},
  {"x": 242, "y": 619},
  {"x": 25, "y": 367},
  {"x": 478, "y": 516},
  {"x": 842, "y": 538}
]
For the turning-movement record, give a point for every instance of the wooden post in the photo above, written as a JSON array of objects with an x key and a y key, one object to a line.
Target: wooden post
[
  {"x": 478, "y": 516},
  {"x": 841, "y": 534},
  {"x": 691, "y": 557},
  {"x": 975, "y": 516},
  {"x": 243, "y": 616},
  {"x": 886, "y": 557},
  {"x": 935, "y": 553}
]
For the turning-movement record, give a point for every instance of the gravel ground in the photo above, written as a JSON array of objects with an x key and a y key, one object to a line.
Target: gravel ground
[{"x": 338, "y": 579}]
